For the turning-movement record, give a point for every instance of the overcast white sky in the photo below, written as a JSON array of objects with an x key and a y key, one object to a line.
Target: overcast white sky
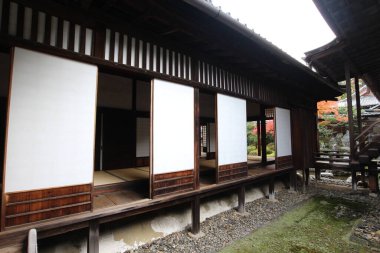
[{"x": 295, "y": 26}]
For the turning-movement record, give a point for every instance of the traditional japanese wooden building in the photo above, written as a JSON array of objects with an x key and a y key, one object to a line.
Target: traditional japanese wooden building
[
  {"x": 144, "y": 100},
  {"x": 354, "y": 54}
]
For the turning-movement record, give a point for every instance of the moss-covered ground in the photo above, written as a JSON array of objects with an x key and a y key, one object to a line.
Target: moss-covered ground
[{"x": 318, "y": 225}]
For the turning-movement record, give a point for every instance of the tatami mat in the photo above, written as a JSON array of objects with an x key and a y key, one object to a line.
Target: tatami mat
[
  {"x": 207, "y": 163},
  {"x": 146, "y": 168},
  {"x": 103, "y": 178},
  {"x": 130, "y": 174}
]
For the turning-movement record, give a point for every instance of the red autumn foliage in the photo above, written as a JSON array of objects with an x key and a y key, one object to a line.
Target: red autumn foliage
[
  {"x": 269, "y": 127},
  {"x": 330, "y": 108}
]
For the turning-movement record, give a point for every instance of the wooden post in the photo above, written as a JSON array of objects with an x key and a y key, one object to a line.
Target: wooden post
[
  {"x": 358, "y": 106},
  {"x": 373, "y": 180},
  {"x": 317, "y": 173},
  {"x": 271, "y": 189},
  {"x": 307, "y": 176},
  {"x": 359, "y": 119},
  {"x": 134, "y": 111},
  {"x": 196, "y": 138},
  {"x": 93, "y": 237},
  {"x": 350, "y": 120},
  {"x": 258, "y": 124},
  {"x": 304, "y": 180},
  {"x": 241, "y": 199},
  {"x": 353, "y": 181},
  {"x": 349, "y": 108},
  {"x": 195, "y": 215},
  {"x": 263, "y": 135},
  {"x": 293, "y": 180}
]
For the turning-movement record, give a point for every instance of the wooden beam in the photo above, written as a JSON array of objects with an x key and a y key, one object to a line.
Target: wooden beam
[{"x": 93, "y": 237}]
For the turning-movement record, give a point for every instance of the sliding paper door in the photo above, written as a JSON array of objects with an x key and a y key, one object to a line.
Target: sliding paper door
[
  {"x": 173, "y": 138},
  {"x": 50, "y": 134},
  {"x": 231, "y": 138},
  {"x": 283, "y": 138}
]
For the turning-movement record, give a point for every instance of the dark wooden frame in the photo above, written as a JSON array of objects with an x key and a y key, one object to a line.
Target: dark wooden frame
[
  {"x": 196, "y": 138},
  {"x": 3, "y": 197}
]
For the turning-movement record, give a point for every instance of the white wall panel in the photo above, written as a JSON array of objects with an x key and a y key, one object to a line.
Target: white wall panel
[
  {"x": 283, "y": 132},
  {"x": 51, "y": 122},
  {"x": 173, "y": 127},
  {"x": 232, "y": 132},
  {"x": 142, "y": 137}
]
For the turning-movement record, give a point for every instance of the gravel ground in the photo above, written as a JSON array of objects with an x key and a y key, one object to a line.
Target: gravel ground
[
  {"x": 334, "y": 181},
  {"x": 227, "y": 227}
]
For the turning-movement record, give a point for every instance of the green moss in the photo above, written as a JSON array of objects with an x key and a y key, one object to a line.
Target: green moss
[{"x": 319, "y": 225}]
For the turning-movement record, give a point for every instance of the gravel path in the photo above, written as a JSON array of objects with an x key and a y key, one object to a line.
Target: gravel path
[{"x": 227, "y": 227}]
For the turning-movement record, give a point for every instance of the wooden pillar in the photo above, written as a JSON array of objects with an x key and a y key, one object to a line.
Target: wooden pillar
[
  {"x": 195, "y": 215},
  {"x": 349, "y": 108},
  {"x": 241, "y": 200},
  {"x": 293, "y": 180},
  {"x": 271, "y": 189},
  {"x": 362, "y": 174},
  {"x": 134, "y": 112},
  {"x": 307, "y": 176},
  {"x": 350, "y": 120},
  {"x": 258, "y": 124},
  {"x": 317, "y": 173},
  {"x": 373, "y": 177},
  {"x": 263, "y": 135},
  {"x": 303, "y": 180},
  {"x": 196, "y": 138},
  {"x": 359, "y": 120},
  {"x": 353, "y": 181},
  {"x": 358, "y": 106},
  {"x": 93, "y": 237}
]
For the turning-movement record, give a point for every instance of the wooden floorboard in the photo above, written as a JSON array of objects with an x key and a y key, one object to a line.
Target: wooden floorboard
[{"x": 102, "y": 201}]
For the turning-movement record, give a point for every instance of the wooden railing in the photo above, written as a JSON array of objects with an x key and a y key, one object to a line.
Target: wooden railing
[
  {"x": 365, "y": 139},
  {"x": 331, "y": 159}
]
